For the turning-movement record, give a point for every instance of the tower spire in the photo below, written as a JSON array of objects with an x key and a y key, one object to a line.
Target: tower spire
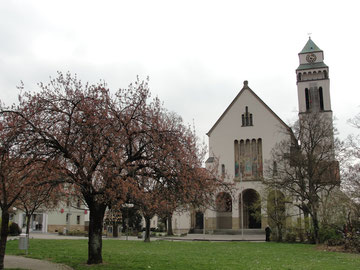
[{"x": 313, "y": 80}]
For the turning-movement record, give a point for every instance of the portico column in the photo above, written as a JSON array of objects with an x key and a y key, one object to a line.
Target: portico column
[{"x": 235, "y": 214}]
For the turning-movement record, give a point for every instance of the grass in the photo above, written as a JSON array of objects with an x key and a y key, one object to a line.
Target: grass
[{"x": 161, "y": 255}]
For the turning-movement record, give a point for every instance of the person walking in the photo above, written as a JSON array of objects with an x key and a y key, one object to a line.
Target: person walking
[{"x": 267, "y": 233}]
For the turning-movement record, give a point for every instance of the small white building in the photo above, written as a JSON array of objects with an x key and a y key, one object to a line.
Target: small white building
[{"x": 69, "y": 216}]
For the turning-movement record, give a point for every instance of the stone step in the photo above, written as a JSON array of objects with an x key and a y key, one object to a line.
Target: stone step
[{"x": 246, "y": 231}]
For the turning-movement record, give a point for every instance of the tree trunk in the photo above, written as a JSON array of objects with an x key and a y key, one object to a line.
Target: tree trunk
[
  {"x": 279, "y": 232},
  {"x": 147, "y": 229},
  {"x": 115, "y": 229},
  {"x": 4, "y": 233},
  {"x": 28, "y": 218},
  {"x": 97, "y": 211},
  {"x": 169, "y": 221},
  {"x": 306, "y": 223},
  {"x": 315, "y": 222}
]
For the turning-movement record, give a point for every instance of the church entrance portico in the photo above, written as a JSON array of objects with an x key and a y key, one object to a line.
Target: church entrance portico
[
  {"x": 223, "y": 211},
  {"x": 199, "y": 220},
  {"x": 251, "y": 209}
]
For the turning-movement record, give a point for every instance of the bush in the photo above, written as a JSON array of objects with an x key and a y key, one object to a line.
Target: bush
[
  {"x": 301, "y": 236},
  {"x": 352, "y": 241},
  {"x": 77, "y": 233},
  {"x": 290, "y": 236},
  {"x": 330, "y": 236},
  {"x": 14, "y": 229}
]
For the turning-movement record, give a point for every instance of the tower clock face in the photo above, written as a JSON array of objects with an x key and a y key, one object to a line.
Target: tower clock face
[{"x": 311, "y": 58}]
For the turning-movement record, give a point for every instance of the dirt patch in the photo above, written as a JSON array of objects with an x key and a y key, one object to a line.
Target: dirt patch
[{"x": 333, "y": 248}]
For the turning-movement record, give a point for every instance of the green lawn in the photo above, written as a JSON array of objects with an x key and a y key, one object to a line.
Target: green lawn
[{"x": 161, "y": 255}]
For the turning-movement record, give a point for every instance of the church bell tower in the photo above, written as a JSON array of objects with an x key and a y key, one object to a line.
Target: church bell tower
[{"x": 313, "y": 82}]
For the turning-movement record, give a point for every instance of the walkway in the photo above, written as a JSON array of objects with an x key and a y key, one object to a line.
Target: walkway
[
  {"x": 219, "y": 237},
  {"x": 32, "y": 264},
  {"x": 248, "y": 236}
]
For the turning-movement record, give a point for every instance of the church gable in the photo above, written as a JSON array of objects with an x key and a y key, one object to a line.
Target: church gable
[
  {"x": 246, "y": 110},
  {"x": 244, "y": 135}
]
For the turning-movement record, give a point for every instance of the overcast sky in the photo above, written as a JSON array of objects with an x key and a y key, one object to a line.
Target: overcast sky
[{"x": 196, "y": 53}]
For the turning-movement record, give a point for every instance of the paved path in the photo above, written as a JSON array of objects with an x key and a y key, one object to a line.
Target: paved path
[
  {"x": 218, "y": 237},
  {"x": 32, "y": 264},
  {"x": 188, "y": 237}
]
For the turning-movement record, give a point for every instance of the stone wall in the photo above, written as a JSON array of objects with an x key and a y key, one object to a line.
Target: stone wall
[{"x": 60, "y": 228}]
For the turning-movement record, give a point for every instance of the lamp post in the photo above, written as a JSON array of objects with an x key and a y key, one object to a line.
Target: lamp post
[
  {"x": 242, "y": 208},
  {"x": 204, "y": 218},
  {"x": 68, "y": 222},
  {"x": 127, "y": 206}
]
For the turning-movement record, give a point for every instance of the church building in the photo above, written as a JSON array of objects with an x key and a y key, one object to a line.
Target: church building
[{"x": 242, "y": 139}]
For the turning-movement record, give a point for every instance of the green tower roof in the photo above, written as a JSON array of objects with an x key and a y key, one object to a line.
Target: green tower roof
[{"x": 310, "y": 46}]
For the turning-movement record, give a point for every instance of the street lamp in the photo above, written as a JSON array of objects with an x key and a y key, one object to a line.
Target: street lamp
[
  {"x": 242, "y": 208},
  {"x": 127, "y": 206}
]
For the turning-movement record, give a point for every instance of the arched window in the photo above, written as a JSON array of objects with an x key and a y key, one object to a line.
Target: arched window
[
  {"x": 250, "y": 159},
  {"x": 223, "y": 170},
  {"x": 251, "y": 209},
  {"x": 223, "y": 202},
  {"x": 247, "y": 118},
  {"x": 254, "y": 154},
  {"x": 274, "y": 168},
  {"x": 259, "y": 158},
  {"x": 242, "y": 158},
  {"x": 223, "y": 211},
  {"x": 237, "y": 158},
  {"x": 325, "y": 74},
  {"x": 307, "y": 99},
  {"x": 321, "y": 100}
]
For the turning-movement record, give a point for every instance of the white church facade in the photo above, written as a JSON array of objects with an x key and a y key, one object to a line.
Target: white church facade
[{"x": 241, "y": 141}]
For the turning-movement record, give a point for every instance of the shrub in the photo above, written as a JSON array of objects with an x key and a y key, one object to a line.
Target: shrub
[
  {"x": 77, "y": 233},
  {"x": 14, "y": 229},
  {"x": 330, "y": 236},
  {"x": 352, "y": 241},
  {"x": 290, "y": 236},
  {"x": 161, "y": 227},
  {"x": 301, "y": 236}
]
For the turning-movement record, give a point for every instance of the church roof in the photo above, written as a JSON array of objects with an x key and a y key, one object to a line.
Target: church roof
[
  {"x": 310, "y": 47},
  {"x": 312, "y": 65},
  {"x": 246, "y": 87}
]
